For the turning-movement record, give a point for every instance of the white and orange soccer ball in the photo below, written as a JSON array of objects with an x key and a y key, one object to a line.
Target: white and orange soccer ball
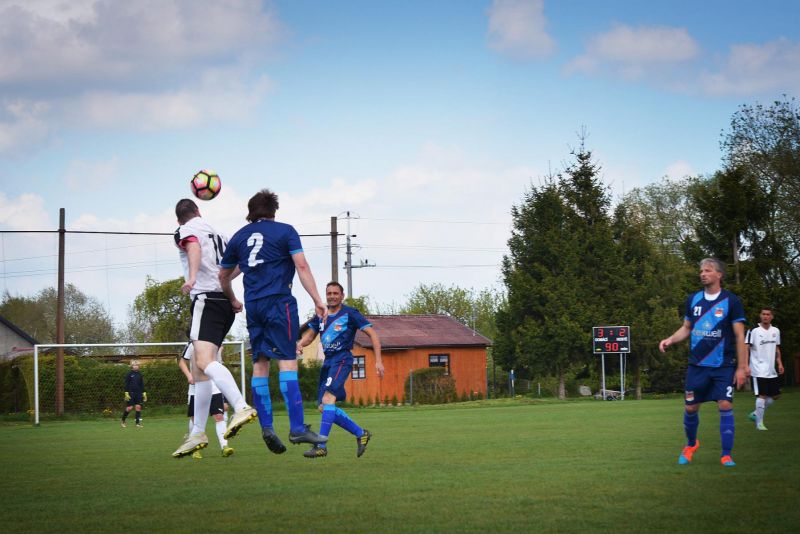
[{"x": 205, "y": 185}]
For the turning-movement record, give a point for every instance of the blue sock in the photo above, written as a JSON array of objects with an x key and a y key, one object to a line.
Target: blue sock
[
  {"x": 328, "y": 416},
  {"x": 690, "y": 423},
  {"x": 262, "y": 400},
  {"x": 726, "y": 431},
  {"x": 294, "y": 401},
  {"x": 344, "y": 421}
]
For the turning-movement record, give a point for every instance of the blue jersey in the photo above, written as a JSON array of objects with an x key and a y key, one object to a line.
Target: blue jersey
[
  {"x": 340, "y": 332},
  {"x": 713, "y": 343},
  {"x": 263, "y": 251}
]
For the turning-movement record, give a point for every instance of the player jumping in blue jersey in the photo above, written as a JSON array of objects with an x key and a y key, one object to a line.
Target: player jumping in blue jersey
[
  {"x": 268, "y": 253},
  {"x": 714, "y": 320},
  {"x": 338, "y": 333}
]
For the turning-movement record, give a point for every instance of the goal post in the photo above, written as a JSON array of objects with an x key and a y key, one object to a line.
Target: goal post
[{"x": 36, "y": 370}]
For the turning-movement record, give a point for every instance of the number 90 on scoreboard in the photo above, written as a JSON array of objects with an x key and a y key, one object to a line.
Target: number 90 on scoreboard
[{"x": 610, "y": 339}]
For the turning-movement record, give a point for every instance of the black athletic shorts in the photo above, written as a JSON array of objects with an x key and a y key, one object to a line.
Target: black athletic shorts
[
  {"x": 136, "y": 398},
  {"x": 212, "y": 317},
  {"x": 769, "y": 387},
  {"x": 217, "y": 405}
]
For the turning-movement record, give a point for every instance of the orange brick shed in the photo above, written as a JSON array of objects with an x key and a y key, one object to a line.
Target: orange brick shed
[{"x": 413, "y": 342}]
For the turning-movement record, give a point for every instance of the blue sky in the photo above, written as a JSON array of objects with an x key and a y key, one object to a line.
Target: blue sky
[{"x": 426, "y": 119}]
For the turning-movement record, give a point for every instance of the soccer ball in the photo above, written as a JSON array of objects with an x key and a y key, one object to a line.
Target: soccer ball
[{"x": 205, "y": 185}]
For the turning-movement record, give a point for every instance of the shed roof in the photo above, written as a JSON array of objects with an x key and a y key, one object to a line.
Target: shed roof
[
  {"x": 17, "y": 330},
  {"x": 409, "y": 331}
]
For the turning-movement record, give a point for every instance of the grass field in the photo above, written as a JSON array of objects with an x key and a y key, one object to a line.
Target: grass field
[{"x": 505, "y": 466}]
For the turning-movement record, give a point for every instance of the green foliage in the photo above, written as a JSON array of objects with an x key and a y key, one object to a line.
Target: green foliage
[
  {"x": 467, "y": 306},
  {"x": 359, "y": 303},
  {"x": 85, "y": 319},
  {"x": 161, "y": 312},
  {"x": 93, "y": 385},
  {"x": 431, "y": 386}
]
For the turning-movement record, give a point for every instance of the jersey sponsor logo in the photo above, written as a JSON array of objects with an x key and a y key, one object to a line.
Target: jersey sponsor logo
[{"x": 707, "y": 333}]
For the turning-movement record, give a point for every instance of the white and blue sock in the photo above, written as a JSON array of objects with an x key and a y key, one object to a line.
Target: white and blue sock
[{"x": 294, "y": 401}]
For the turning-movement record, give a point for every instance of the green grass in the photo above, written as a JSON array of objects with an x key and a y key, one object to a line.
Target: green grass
[{"x": 505, "y": 466}]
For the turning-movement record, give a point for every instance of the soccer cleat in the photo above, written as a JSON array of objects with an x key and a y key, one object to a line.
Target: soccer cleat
[
  {"x": 760, "y": 426},
  {"x": 306, "y": 436},
  {"x": 687, "y": 452},
  {"x": 362, "y": 442},
  {"x": 193, "y": 443},
  {"x": 197, "y": 456},
  {"x": 316, "y": 452},
  {"x": 272, "y": 440},
  {"x": 227, "y": 451},
  {"x": 238, "y": 420},
  {"x": 752, "y": 416},
  {"x": 139, "y": 425},
  {"x": 727, "y": 461},
  {"x": 124, "y": 425}
]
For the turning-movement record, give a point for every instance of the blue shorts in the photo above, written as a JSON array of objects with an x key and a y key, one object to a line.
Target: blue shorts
[
  {"x": 273, "y": 326},
  {"x": 332, "y": 377},
  {"x": 705, "y": 384}
]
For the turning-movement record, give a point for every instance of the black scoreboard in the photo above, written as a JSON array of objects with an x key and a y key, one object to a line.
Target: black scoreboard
[{"x": 610, "y": 339}]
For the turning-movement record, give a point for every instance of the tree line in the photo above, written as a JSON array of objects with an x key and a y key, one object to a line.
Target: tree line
[{"x": 577, "y": 260}]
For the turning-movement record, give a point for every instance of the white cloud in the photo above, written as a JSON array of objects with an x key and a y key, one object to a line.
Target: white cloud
[
  {"x": 149, "y": 64},
  {"x": 83, "y": 175},
  {"x": 517, "y": 28},
  {"x": 25, "y": 212},
  {"x": 633, "y": 52},
  {"x": 680, "y": 169},
  {"x": 756, "y": 69},
  {"x": 26, "y": 124},
  {"x": 106, "y": 42}
]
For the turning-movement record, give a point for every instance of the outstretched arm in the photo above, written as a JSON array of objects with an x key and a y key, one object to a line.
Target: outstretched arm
[
  {"x": 307, "y": 280},
  {"x": 376, "y": 347},
  {"x": 679, "y": 335}
]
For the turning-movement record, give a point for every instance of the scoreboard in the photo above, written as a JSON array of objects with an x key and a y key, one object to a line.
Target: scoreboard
[{"x": 610, "y": 339}]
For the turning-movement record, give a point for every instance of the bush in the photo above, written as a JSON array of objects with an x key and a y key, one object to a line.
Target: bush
[{"x": 431, "y": 386}]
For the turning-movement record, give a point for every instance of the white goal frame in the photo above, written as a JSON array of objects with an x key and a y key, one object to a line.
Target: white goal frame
[{"x": 108, "y": 345}]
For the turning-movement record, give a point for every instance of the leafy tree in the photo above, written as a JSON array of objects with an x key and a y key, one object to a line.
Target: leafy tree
[
  {"x": 160, "y": 313},
  {"x": 85, "y": 319},
  {"x": 765, "y": 142},
  {"x": 359, "y": 303},
  {"x": 471, "y": 308}
]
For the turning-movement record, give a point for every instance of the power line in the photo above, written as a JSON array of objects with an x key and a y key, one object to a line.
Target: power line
[{"x": 438, "y": 221}]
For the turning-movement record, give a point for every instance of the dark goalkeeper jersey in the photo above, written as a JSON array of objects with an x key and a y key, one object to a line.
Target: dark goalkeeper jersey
[{"x": 134, "y": 382}]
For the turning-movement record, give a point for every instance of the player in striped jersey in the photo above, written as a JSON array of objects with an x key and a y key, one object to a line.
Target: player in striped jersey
[{"x": 714, "y": 320}]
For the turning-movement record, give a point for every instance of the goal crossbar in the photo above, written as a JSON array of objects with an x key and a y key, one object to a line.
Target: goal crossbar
[{"x": 109, "y": 345}]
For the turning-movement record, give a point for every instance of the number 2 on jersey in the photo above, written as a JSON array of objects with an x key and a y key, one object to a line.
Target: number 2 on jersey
[{"x": 256, "y": 240}]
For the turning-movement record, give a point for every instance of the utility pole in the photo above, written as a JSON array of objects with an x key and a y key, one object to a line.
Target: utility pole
[
  {"x": 348, "y": 264},
  {"x": 60, "y": 317},
  {"x": 335, "y": 250}
]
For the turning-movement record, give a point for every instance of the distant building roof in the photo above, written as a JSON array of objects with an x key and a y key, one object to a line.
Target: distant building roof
[
  {"x": 409, "y": 331},
  {"x": 17, "y": 330}
]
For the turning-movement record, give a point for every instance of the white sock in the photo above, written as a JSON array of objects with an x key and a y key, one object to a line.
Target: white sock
[
  {"x": 191, "y": 424},
  {"x": 202, "y": 403},
  {"x": 226, "y": 384},
  {"x": 760, "y": 407},
  {"x": 769, "y": 400},
  {"x": 221, "y": 426}
]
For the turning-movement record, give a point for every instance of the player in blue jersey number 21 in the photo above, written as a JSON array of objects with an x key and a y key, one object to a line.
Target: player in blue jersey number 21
[{"x": 714, "y": 320}]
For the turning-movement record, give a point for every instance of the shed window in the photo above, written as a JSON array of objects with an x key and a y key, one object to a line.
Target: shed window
[
  {"x": 359, "y": 367},
  {"x": 440, "y": 360}
]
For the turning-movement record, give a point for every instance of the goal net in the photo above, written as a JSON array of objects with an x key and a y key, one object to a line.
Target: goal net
[{"x": 94, "y": 375}]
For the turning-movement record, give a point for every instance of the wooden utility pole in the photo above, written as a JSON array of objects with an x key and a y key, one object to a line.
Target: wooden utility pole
[
  {"x": 60, "y": 317},
  {"x": 334, "y": 250}
]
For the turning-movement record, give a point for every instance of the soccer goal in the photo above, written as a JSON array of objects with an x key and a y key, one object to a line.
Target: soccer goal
[{"x": 94, "y": 374}]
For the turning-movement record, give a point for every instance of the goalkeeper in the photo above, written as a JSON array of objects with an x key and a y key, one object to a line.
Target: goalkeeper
[{"x": 135, "y": 395}]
